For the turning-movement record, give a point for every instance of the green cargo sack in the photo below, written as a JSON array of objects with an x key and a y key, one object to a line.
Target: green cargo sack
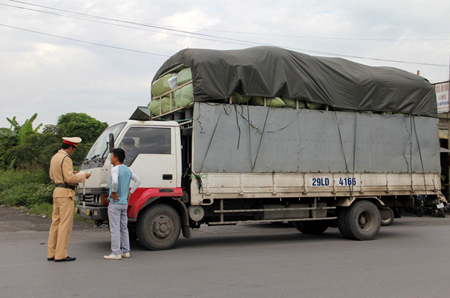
[
  {"x": 184, "y": 76},
  {"x": 292, "y": 103},
  {"x": 314, "y": 106},
  {"x": 301, "y": 104},
  {"x": 165, "y": 106},
  {"x": 275, "y": 102},
  {"x": 154, "y": 106},
  {"x": 270, "y": 102},
  {"x": 184, "y": 96},
  {"x": 289, "y": 102},
  {"x": 239, "y": 98},
  {"x": 257, "y": 101},
  {"x": 161, "y": 85}
]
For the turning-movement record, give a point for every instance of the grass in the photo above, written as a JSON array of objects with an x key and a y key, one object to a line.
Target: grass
[
  {"x": 42, "y": 209},
  {"x": 27, "y": 188},
  {"x": 47, "y": 209},
  {"x": 30, "y": 188}
]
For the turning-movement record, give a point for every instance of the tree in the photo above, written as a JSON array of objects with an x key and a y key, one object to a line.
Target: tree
[
  {"x": 12, "y": 140},
  {"x": 80, "y": 125},
  {"x": 83, "y": 126},
  {"x": 22, "y": 146}
]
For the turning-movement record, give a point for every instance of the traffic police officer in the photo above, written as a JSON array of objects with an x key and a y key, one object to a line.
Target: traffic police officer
[{"x": 61, "y": 172}]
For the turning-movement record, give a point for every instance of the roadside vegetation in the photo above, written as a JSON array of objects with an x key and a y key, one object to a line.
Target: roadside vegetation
[{"x": 25, "y": 153}]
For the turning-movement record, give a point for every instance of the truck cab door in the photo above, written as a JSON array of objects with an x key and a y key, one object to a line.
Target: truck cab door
[{"x": 151, "y": 153}]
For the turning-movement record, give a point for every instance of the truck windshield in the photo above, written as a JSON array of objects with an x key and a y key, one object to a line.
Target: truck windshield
[{"x": 98, "y": 152}]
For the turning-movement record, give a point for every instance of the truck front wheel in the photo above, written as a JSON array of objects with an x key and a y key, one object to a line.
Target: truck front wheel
[
  {"x": 159, "y": 227},
  {"x": 362, "y": 220}
]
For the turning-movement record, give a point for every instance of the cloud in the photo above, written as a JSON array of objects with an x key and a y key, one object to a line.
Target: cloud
[{"x": 53, "y": 76}]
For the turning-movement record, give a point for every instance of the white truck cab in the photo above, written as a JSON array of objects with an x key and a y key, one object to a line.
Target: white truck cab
[{"x": 154, "y": 156}]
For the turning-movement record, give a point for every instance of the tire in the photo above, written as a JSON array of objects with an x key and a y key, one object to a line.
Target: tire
[
  {"x": 159, "y": 227},
  {"x": 315, "y": 227},
  {"x": 388, "y": 221},
  {"x": 418, "y": 211},
  {"x": 341, "y": 213},
  {"x": 363, "y": 220},
  {"x": 277, "y": 223},
  {"x": 297, "y": 225}
]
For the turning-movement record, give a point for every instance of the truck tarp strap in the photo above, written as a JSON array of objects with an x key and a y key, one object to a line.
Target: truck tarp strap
[
  {"x": 420, "y": 154},
  {"x": 343, "y": 152},
  {"x": 260, "y": 140},
  {"x": 354, "y": 153}
]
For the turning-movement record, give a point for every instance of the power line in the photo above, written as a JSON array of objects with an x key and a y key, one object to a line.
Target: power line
[
  {"x": 327, "y": 38},
  {"x": 249, "y": 33},
  {"x": 127, "y": 22},
  {"x": 196, "y": 35},
  {"x": 92, "y": 19},
  {"x": 83, "y": 41}
]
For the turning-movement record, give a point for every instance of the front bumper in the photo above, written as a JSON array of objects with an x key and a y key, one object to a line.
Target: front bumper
[{"x": 91, "y": 212}]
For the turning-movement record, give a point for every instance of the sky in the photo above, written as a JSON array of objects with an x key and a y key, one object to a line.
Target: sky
[{"x": 99, "y": 57}]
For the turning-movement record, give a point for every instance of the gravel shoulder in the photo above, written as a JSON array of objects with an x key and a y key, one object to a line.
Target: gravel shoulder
[
  {"x": 16, "y": 223},
  {"x": 13, "y": 219}
]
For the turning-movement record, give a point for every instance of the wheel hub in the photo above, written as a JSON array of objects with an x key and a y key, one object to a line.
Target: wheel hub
[
  {"x": 364, "y": 220},
  {"x": 162, "y": 227}
]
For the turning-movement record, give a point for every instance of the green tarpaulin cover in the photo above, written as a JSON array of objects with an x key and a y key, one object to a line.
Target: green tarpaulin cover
[{"x": 275, "y": 72}]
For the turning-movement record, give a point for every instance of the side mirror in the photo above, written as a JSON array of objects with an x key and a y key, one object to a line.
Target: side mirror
[{"x": 111, "y": 142}]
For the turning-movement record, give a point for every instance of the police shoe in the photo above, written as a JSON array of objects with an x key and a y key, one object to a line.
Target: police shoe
[{"x": 66, "y": 259}]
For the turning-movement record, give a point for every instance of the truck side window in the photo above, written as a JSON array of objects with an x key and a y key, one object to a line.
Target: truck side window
[{"x": 145, "y": 140}]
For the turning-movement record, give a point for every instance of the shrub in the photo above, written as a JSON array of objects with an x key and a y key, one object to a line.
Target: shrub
[
  {"x": 25, "y": 188},
  {"x": 28, "y": 195}
]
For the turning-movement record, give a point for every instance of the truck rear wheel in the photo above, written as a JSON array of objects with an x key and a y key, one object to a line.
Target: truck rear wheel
[
  {"x": 315, "y": 227},
  {"x": 389, "y": 220},
  {"x": 159, "y": 227},
  {"x": 362, "y": 220}
]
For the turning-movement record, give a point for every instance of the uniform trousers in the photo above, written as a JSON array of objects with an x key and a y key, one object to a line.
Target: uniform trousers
[
  {"x": 61, "y": 228},
  {"x": 118, "y": 226}
]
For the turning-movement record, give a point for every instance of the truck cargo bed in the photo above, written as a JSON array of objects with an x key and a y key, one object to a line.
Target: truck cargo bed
[{"x": 249, "y": 151}]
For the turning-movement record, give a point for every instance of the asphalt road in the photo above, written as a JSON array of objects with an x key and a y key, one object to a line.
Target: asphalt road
[{"x": 408, "y": 259}]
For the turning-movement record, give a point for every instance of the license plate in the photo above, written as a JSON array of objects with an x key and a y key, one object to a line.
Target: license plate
[
  {"x": 440, "y": 206},
  {"x": 84, "y": 211}
]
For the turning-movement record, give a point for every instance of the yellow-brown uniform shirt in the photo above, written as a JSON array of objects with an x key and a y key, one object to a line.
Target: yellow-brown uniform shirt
[{"x": 60, "y": 169}]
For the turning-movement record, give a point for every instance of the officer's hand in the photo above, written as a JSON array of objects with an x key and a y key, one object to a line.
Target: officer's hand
[{"x": 87, "y": 175}]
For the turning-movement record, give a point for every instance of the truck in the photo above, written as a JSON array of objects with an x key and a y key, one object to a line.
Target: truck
[{"x": 267, "y": 135}]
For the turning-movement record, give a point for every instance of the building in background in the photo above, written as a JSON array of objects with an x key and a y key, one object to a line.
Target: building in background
[{"x": 442, "y": 97}]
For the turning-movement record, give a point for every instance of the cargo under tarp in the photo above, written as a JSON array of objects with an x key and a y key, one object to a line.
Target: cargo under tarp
[
  {"x": 276, "y": 72},
  {"x": 253, "y": 139}
]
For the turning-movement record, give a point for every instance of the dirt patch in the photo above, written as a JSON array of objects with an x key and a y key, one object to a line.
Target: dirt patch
[{"x": 13, "y": 219}]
